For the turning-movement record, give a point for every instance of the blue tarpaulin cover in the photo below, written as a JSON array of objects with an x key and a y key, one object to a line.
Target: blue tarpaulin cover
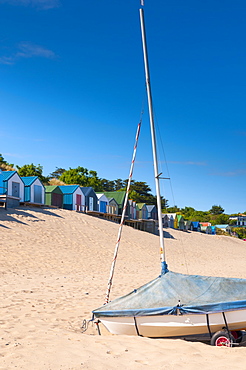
[{"x": 173, "y": 292}]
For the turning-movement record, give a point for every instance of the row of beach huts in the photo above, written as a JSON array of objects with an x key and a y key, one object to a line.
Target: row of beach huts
[
  {"x": 72, "y": 197},
  {"x": 16, "y": 190}
]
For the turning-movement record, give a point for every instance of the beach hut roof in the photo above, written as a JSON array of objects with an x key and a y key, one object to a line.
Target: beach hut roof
[
  {"x": 99, "y": 195},
  {"x": 112, "y": 200},
  {"x": 86, "y": 189},
  {"x": 102, "y": 196},
  {"x": 51, "y": 188},
  {"x": 171, "y": 214},
  {"x": 222, "y": 226},
  {"x": 118, "y": 196},
  {"x": 28, "y": 180},
  {"x": 204, "y": 228},
  {"x": 68, "y": 189},
  {"x": 150, "y": 207},
  {"x": 7, "y": 175},
  {"x": 195, "y": 223},
  {"x": 141, "y": 205}
]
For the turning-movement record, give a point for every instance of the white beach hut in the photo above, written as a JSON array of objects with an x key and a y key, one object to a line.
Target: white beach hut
[
  {"x": 13, "y": 186},
  {"x": 102, "y": 202}
]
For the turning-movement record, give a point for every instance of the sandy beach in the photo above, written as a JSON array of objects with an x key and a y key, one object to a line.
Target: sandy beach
[{"x": 54, "y": 270}]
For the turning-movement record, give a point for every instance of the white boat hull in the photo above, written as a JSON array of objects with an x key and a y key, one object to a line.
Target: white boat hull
[{"x": 173, "y": 326}]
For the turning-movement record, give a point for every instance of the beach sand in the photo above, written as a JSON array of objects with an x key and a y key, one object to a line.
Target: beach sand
[{"x": 54, "y": 269}]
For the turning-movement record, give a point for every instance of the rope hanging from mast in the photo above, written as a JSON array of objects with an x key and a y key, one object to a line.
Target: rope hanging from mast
[{"x": 123, "y": 215}]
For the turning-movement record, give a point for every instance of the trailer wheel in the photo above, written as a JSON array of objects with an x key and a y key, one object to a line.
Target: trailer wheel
[
  {"x": 238, "y": 335},
  {"x": 222, "y": 339}
]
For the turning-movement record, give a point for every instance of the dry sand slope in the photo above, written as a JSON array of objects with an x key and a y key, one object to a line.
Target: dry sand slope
[{"x": 54, "y": 269}]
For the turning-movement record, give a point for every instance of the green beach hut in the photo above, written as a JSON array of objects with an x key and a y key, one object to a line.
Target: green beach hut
[
  {"x": 142, "y": 211},
  {"x": 53, "y": 196},
  {"x": 181, "y": 224}
]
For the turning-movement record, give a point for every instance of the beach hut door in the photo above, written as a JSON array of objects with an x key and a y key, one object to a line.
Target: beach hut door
[
  {"x": 78, "y": 202},
  {"x": 15, "y": 189},
  {"x": 37, "y": 194},
  {"x": 103, "y": 206},
  {"x": 90, "y": 203}
]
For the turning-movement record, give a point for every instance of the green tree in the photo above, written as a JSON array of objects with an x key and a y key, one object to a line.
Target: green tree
[
  {"x": 140, "y": 193},
  {"x": 221, "y": 219},
  {"x": 57, "y": 173},
  {"x": 32, "y": 170},
  {"x": 232, "y": 222},
  {"x": 4, "y": 164},
  {"x": 141, "y": 187},
  {"x": 240, "y": 231},
  {"x": 94, "y": 181},
  {"x": 187, "y": 212},
  {"x": 2, "y": 160},
  {"x": 81, "y": 176},
  {"x": 216, "y": 210},
  {"x": 118, "y": 184},
  {"x": 108, "y": 185},
  {"x": 173, "y": 209},
  {"x": 199, "y": 216}
]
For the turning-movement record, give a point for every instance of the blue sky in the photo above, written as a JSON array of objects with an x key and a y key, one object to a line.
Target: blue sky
[{"x": 72, "y": 89}]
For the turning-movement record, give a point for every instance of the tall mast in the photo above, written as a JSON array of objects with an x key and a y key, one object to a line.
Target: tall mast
[{"x": 153, "y": 138}]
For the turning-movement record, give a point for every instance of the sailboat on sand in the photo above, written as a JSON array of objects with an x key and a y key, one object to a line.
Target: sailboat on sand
[{"x": 176, "y": 304}]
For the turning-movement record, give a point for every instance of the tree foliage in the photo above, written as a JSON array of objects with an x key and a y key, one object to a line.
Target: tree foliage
[
  {"x": 187, "y": 212},
  {"x": 108, "y": 185},
  {"x": 173, "y": 209},
  {"x": 4, "y": 165},
  {"x": 83, "y": 177},
  {"x": 220, "y": 219},
  {"x": 200, "y": 216},
  {"x": 216, "y": 210},
  {"x": 57, "y": 173},
  {"x": 140, "y": 193},
  {"x": 32, "y": 170},
  {"x": 240, "y": 231}
]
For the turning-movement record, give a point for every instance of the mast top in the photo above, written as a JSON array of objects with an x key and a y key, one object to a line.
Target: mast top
[{"x": 142, "y": 2}]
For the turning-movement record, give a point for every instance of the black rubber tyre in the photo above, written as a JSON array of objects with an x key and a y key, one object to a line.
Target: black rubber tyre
[{"x": 222, "y": 339}]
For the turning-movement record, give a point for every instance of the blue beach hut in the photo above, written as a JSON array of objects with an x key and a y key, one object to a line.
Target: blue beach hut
[
  {"x": 195, "y": 226},
  {"x": 102, "y": 203},
  {"x": 73, "y": 198},
  {"x": 213, "y": 230},
  {"x": 152, "y": 212},
  {"x": 34, "y": 191},
  {"x": 13, "y": 186}
]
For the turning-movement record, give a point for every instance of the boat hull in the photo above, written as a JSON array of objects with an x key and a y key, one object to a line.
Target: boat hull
[{"x": 161, "y": 326}]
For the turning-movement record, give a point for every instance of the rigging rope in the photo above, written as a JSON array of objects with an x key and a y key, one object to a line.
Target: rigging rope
[
  {"x": 123, "y": 214},
  {"x": 165, "y": 160}
]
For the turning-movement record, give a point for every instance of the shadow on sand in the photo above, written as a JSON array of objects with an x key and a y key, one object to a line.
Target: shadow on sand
[
  {"x": 6, "y": 216},
  {"x": 167, "y": 235},
  {"x": 6, "y": 227},
  {"x": 13, "y": 214}
]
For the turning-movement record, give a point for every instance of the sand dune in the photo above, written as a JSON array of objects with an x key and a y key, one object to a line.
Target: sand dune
[{"x": 54, "y": 269}]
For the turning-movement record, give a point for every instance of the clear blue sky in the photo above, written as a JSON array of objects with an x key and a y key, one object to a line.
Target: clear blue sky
[{"x": 72, "y": 89}]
